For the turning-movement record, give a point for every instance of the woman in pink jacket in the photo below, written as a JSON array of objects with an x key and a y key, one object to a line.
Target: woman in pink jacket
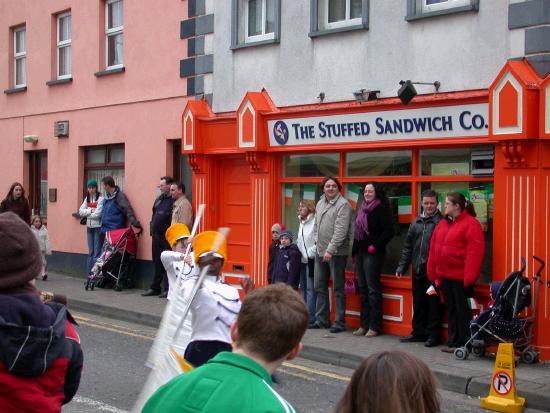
[{"x": 454, "y": 263}]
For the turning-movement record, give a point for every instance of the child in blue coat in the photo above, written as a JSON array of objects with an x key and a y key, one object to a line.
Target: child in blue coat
[{"x": 287, "y": 261}]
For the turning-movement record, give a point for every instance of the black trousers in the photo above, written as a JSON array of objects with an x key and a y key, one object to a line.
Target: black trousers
[
  {"x": 426, "y": 322},
  {"x": 369, "y": 267},
  {"x": 160, "y": 280},
  {"x": 199, "y": 352},
  {"x": 456, "y": 297}
]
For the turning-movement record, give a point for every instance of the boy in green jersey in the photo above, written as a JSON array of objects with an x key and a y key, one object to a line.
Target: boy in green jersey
[{"x": 268, "y": 331}]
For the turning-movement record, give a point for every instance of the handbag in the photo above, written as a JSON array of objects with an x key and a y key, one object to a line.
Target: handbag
[
  {"x": 83, "y": 220},
  {"x": 351, "y": 285}
]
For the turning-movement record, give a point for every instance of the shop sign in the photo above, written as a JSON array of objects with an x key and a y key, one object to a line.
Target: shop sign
[{"x": 423, "y": 123}]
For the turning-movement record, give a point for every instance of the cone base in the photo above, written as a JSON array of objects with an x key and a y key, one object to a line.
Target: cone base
[{"x": 501, "y": 404}]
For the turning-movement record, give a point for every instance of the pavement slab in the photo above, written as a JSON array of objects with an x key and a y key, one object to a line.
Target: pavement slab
[{"x": 471, "y": 376}]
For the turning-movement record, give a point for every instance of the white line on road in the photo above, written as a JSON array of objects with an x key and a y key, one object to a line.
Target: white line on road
[{"x": 99, "y": 406}]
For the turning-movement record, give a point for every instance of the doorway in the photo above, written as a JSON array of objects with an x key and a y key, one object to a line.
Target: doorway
[{"x": 38, "y": 183}]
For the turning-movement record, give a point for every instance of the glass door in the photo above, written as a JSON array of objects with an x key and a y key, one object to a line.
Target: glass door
[{"x": 38, "y": 177}]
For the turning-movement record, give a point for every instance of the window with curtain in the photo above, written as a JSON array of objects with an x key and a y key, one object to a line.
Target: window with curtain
[
  {"x": 64, "y": 66},
  {"x": 335, "y": 14},
  {"x": 114, "y": 27},
  {"x": 20, "y": 56},
  {"x": 102, "y": 161}
]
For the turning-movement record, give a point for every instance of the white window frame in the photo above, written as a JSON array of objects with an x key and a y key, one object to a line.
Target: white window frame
[
  {"x": 112, "y": 32},
  {"x": 17, "y": 56},
  {"x": 64, "y": 44},
  {"x": 264, "y": 35},
  {"x": 446, "y": 5},
  {"x": 341, "y": 23}
]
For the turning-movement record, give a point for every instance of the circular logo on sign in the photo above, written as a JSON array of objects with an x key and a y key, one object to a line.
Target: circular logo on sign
[
  {"x": 280, "y": 132},
  {"x": 502, "y": 382}
]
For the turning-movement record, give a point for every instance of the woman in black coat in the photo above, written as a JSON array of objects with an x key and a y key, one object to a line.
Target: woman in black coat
[{"x": 373, "y": 230}]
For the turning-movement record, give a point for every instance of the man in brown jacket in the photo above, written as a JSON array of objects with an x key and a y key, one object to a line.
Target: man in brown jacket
[
  {"x": 332, "y": 233},
  {"x": 182, "y": 213}
]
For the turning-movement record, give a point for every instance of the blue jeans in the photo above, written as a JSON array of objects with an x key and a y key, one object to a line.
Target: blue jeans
[
  {"x": 323, "y": 270},
  {"x": 307, "y": 287},
  {"x": 95, "y": 241}
]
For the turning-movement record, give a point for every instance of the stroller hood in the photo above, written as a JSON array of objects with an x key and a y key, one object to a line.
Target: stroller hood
[{"x": 122, "y": 239}]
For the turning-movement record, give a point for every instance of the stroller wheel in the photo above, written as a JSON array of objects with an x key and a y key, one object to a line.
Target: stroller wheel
[
  {"x": 86, "y": 286},
  {"x": 92, "y": 286},
  {"x": 117, "y": 288},
  {"x": 529, "y": 356},
  {"x": 478, "y": 351},
  {"x": 461, "y": 353}
]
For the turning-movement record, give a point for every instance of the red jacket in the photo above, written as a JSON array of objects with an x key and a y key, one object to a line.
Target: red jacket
[{"x": 456, "y": 250}]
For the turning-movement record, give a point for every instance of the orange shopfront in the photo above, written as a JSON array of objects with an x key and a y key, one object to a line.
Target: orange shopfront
[{"x": 251, "y": 168}]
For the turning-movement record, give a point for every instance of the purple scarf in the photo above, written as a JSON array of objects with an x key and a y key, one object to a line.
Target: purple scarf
[{"x": 362, "y": 219}]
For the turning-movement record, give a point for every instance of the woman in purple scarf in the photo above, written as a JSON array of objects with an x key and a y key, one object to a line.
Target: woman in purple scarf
[{"x": 373, "y": 230}]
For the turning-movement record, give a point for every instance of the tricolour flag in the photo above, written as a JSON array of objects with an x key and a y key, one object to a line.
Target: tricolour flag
[
  {"x": 353, "y": 191},
  {"x": 309, "y": 192},
  {"x": 288, "y": 196}
]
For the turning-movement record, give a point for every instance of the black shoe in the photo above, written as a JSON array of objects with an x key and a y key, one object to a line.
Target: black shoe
[
  {"x": 412, "y": 339},
  {"x": 150, "y": 293},
  {"x": 163, "y": 295},
  {"x": 316, "y": 326},
  {"x": 337, "y": 329},
  {"x": 431, "y": 342}
]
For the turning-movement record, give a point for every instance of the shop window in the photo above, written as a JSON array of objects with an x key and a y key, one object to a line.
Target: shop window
[
  {"x": 255, "y": 22},
  {"x": 417, "y": 9},
  {"x": 399, "y": 195},
  {"x": 102, "y": 161},
  {"x": 292, "y": 194},
  {"x": 114, "y": 34},
  {"x": 323, "y": 164},
  {"x": 445, "y": 162},
  {"x": 64, "y": 49},
  {"x": 481, "y": 194},
  {"x": 20, "y": 57},
  {"x": 38, "y": 182},
  {"x": 329, "y": 16},
  {"x": 387, "y": 163}
]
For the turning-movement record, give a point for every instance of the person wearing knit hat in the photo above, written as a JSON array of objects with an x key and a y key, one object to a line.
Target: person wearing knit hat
[
  {"x": 275, "y": 234},
  {"x": 215, "y": 305},
  {"x": 90, "y": 214},
  {"x": 287, "y": 261},
  {"x": 39, "y": 370}
]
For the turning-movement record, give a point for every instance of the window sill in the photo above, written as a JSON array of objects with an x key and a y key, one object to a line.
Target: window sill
[
  {"x": 59, "y": 81},
  {"x": 324, "y": 32},
  {"x": 420, "y": 16},
  {"x": 17, "y": 89},
  {"x": 109, "y": 71},
  {"x": 253, "y": 44}
]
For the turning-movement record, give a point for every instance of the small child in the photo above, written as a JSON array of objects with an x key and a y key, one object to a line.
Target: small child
[
  {"x": 273, "y": 249},
  {"x": 287, "y": 261},
  {"x": 178, "y": 237},
  {"x": 41, "y": 234}
]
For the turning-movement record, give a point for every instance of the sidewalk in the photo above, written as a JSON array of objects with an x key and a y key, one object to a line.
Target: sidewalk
[{"x": 471, "y": 376}]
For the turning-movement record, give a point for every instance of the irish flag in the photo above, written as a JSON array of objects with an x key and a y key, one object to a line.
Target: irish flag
[
  {"x": 309, "y": 192},
  {"x": 353, "y": 191},
  {"x": 404, "y": 209},
  {"x": 288, "y": 195}
]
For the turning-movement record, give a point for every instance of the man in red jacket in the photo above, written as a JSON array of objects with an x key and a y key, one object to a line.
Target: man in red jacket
[
  {"x": 40, "y": 354},
  {"x": 456, "y": 253}
]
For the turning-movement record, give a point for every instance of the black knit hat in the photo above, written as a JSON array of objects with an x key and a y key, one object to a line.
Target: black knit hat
[
  {"x": 288, "y": 234},
  {"x": 20, "y": 257}
]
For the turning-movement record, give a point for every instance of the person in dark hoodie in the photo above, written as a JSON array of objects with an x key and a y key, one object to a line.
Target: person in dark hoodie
[
  {"x": 288, "y": 260},
  {"x": 40, "y": 354},
  {"x": 273, "y": 248}
]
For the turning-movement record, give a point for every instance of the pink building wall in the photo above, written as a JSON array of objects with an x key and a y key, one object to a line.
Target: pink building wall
[{"x": 140, "y": 107}]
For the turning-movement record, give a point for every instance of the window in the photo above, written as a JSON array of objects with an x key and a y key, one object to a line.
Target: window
[
  {"x": 403, "y": 175},
  {"x": 417, "y": 9},
  {"x": 102, "y": 161},
  {"x": 114, "y": 26},
  {"x": 255, "y": 22},
  {"x": 260, "y": 20},
  {"x": 20, "y": 57},
  {"x": 64, "y": 67},
  {"x": 329, "y": 16}
]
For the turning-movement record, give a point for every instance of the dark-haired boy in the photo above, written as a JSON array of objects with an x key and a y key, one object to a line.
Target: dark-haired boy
[
  {"x": 426, "y": 320},
  {"x": 268, "y": 331}
]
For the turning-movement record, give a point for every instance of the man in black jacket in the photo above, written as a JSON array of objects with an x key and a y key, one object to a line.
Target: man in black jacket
[
  {"x": 160, "y": 221},
  {"x": 426, "y": 321}
]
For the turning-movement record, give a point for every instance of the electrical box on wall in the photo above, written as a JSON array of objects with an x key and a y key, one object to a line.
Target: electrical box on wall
[
  {"x": 483, "y": 160},
  {"x": 52, "y": 194},
  {"x": 61, "y": 129}
]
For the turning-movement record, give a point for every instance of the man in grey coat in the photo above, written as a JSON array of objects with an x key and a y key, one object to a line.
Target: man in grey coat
[{"x": 332, "y": 233}]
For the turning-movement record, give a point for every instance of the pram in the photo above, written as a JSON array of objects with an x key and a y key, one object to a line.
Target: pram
[
  {"x": 114, "y": 265},
  {"x": 502, "y": 322}
]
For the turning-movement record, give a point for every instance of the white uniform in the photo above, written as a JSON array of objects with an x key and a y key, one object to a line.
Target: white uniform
[{"x": 173, "y": 263}]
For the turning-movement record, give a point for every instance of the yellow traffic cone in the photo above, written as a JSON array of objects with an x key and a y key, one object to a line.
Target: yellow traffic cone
[{"x": 502, "y": 394}]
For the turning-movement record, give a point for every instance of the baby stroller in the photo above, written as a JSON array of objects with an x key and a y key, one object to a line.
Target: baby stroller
[
  {"x": 502, "y": 322},
  {"x": 113, "y": 267}
]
